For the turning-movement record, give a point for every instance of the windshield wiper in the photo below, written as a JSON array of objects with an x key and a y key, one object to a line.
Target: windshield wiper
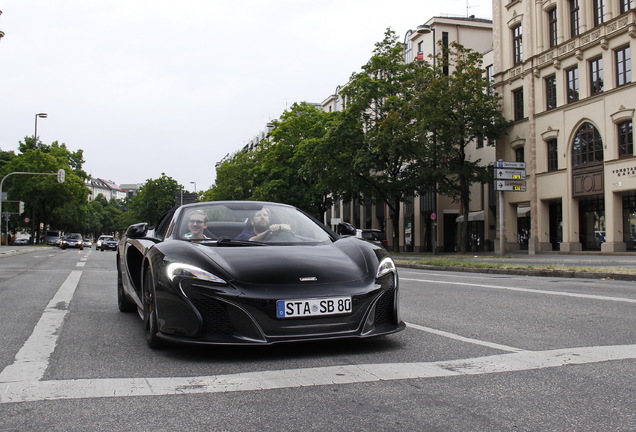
[{"x": 228, "y": 241}]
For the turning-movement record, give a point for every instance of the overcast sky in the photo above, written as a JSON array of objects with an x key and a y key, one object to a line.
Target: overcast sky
[{"x": 147, "y": 87}]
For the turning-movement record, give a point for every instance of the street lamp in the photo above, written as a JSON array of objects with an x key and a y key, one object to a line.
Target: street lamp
[
  {"x": 426, "y": 29},
  {"x": 40, "y": 115},
  {"x": 195, "y": 186}
]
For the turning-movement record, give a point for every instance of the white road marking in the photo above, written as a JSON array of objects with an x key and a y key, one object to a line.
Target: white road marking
[
  {"x": 33, "y": 358},
  {"x": 80, "y": 264},
  {"x": 22, "y": 380},
  {"x": 528, "y": 290},
  {"x": 464, "y": 339},
  {"x": 30, "y": 391}
]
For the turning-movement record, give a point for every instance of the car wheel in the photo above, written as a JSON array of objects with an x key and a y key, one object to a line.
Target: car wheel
[
  {"x": 123, "y": 302},
  {"x": 81, "y": 247},
  {"x": 150, "y": 313}
]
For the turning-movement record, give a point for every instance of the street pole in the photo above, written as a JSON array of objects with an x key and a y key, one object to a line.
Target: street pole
[
  {"x": 35, "y": 136},
  {"x": 502, "y": 230}
]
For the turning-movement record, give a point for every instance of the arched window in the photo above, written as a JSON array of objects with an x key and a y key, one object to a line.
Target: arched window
[{"x": 587, "y": 146}]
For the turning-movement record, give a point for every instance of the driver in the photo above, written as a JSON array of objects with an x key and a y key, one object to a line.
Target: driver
[{"x": 258, "y": 227}]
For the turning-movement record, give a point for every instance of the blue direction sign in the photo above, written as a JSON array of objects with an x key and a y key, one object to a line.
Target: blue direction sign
[{"x": 506, "y": 164}]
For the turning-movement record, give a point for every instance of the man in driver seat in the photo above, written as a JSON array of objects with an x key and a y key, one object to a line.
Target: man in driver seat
[{"x": 258, "y": 227}]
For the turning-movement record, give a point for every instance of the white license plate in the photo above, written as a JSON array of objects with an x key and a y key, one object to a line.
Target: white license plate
[{"x": 313, "y": 307}]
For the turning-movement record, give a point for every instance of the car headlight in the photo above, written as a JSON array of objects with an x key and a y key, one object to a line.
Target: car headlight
[
  {"x": 386, "y": 266},
  {"x": 185, "y": 270}
]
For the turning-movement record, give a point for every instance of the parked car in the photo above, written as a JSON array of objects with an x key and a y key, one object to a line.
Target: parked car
[
  {"x": 21, "y": 241},
  {"x": 73, "y": 240},
  {"x": 372, "y": 235},
  {"x": 301, "y": 282},
  {"x": 108, "y": 243}
]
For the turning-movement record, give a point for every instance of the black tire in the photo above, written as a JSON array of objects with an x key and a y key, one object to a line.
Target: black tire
[
  {"x": 81, "y": 247},
  {"x": 123, "y": 302},
  {"x": 150, "y": 313}
]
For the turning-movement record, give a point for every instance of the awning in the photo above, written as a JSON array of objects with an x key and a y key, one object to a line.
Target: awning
[{"x": 472, "y": 216}]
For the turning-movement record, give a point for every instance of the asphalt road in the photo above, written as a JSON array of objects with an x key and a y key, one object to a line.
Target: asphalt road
[{"x": 481, "y": 352}]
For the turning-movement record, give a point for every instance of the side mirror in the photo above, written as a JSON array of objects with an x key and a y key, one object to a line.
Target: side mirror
[
  {"x": 346, "y": 229},
  {"x": 137, "y": 230}
]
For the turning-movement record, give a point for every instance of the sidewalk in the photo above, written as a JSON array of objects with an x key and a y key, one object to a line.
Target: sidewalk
[
  {"x": 19, "y": 250},
  {"x": 585, "y": 264}
]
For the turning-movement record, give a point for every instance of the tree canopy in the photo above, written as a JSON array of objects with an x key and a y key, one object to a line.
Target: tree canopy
[
  {"x": 47, "y": 201},
  {"x": 404, "y": 130},
  {"x": 154, "y": 199}
]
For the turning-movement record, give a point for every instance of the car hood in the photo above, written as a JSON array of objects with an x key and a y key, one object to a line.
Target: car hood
[{"x": 339, "y": 262}]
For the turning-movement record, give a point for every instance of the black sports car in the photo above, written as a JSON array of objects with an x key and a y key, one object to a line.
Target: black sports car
[{"x": 245, "y": 272}]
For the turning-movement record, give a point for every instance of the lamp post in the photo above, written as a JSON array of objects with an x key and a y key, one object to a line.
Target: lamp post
[
  {"x": 426, "y": 29},
  {"x": 195, "y": 186},
  {"x": 40, "y": 115}
]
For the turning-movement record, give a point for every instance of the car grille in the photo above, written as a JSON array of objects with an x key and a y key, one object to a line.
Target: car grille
[
  {"x": 385, "y": 306},
  {"x": 216, "y": 320}
]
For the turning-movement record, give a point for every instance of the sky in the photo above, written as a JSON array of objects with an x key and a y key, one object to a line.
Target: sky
[{"x": 147, "y": 87}]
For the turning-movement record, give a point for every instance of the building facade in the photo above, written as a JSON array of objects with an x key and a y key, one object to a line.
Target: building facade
[
  {"x": 563, "y": 69},
  {"x": 107, "y": 188}
]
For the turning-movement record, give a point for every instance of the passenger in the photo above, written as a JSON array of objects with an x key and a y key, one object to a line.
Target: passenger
[
  {"x": 197, "y": 223},
  {"x": 258, "y": 227}
]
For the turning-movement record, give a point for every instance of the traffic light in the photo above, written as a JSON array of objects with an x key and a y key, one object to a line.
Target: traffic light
[{"x": 21, "y": 207}]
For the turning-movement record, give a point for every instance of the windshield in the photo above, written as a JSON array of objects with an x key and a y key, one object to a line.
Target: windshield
[{"x": 248, "y": 223}]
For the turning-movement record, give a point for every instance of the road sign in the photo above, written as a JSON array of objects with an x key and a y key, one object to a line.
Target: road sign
[
  {"x": 505, "y": 164},
  {"x": 433, "y": 216},
  {"x": 506, "y": 185},
  {"x": 511, "y": 174}
]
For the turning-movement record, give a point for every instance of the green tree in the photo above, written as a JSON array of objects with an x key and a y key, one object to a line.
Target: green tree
[
  {"x": 5, "y": 157},
  {"x": 453, "y": 107},
  {"x": 47, "y": 201},
  {"x": 154, "y": 199},
  {"x": 234, "y": 178},
  {"x": 375, "y": 133},
  {"x": 284, "y": 172}
]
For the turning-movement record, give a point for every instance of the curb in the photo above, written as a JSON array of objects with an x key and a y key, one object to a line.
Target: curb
[
  {"x": 526, "y": 272},
  {"x": 22, "y": 251}
]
